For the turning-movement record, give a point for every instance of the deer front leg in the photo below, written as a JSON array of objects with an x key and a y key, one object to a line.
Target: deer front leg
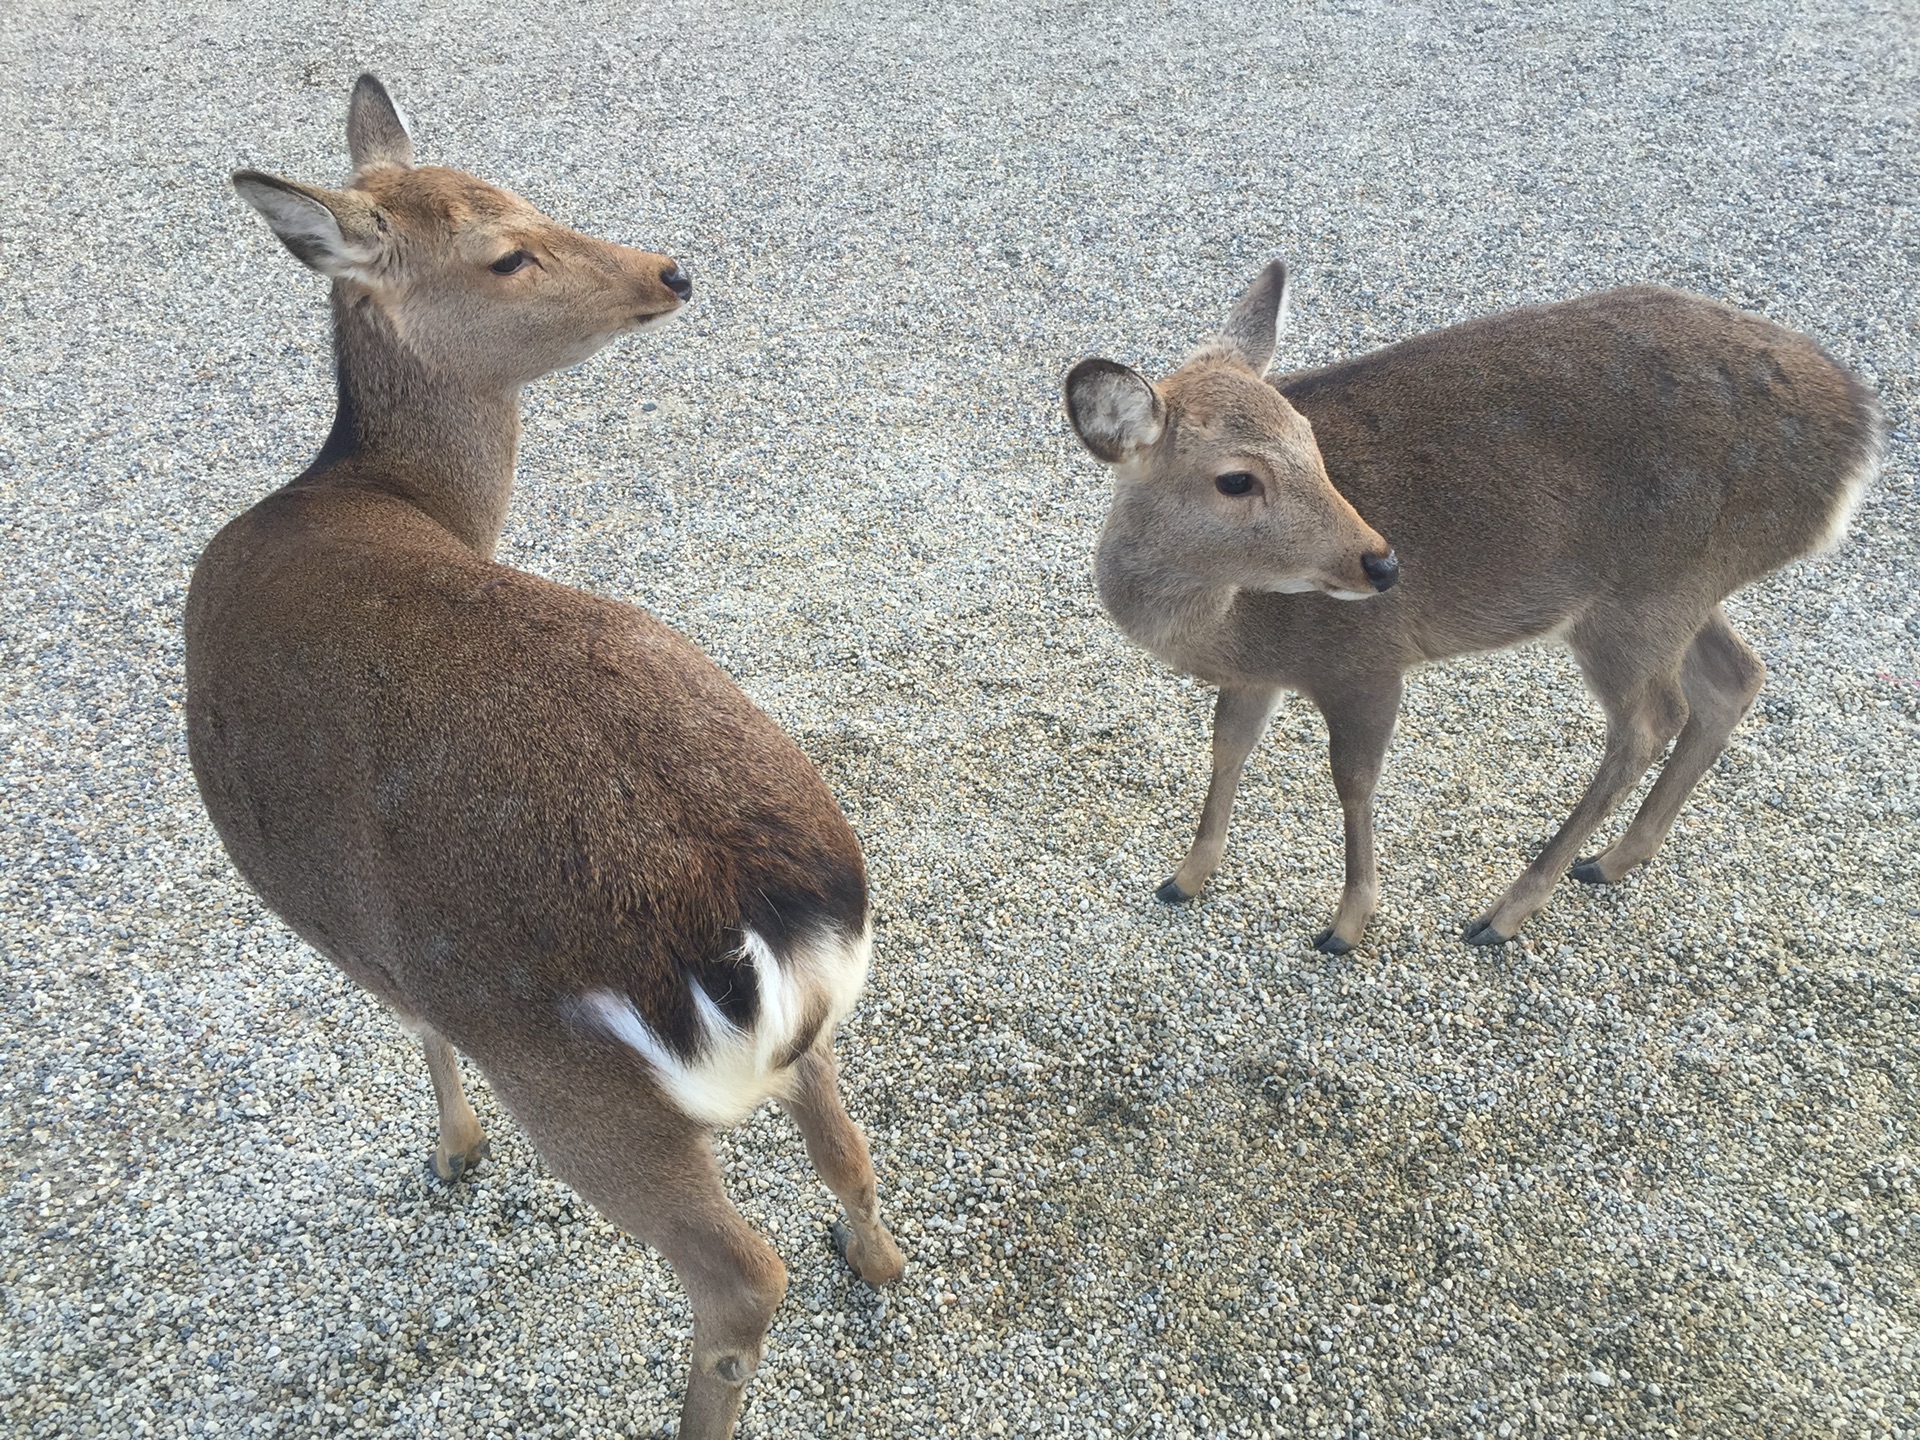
[
  {"x": 462, "y": 1144},
  {"x": 1239, "y": 720},
  {"x": 1360, "y": 722}
]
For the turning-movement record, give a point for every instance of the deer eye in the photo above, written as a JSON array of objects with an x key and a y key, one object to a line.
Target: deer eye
[
  {"x": 1236, "y": 482},
  {"x": 511, "y": 263}
]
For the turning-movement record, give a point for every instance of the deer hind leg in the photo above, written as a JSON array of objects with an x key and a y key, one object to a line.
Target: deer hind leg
[
  {"x": 1646, "y": 708},
  {"x": 1720, "y": 676},
  {"x": 1239, "y": 720},
  {"x": 1359, "y": 725},
  {"x": 610, "y": 1132},
  {"x": 839, "y": 1152}
]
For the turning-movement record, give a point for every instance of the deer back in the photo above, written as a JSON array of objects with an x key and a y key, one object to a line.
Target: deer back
[{"x": 485, "y": 794}]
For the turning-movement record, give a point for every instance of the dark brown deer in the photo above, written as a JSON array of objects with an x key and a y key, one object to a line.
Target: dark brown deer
[
  {"x": 1604, "y": 471},
  {"x": 540, "y": 826}
]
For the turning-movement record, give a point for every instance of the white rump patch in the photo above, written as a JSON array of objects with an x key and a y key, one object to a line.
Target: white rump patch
[
  {"x": 736, "y": 1071},
  {"x": 1852, "y": 491}
]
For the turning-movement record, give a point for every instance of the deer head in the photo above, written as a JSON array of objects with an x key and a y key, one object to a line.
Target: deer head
[
  {"x": 1217, "y": 479},
  {"x": 477, "y": 285}
]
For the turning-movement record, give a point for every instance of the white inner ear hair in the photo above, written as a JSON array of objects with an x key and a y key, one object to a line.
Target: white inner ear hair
[{"x": 1118, "y": 409}]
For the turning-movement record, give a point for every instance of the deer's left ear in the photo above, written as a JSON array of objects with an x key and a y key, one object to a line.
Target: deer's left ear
[
  {"x": 1252, "y": 331},
  {"x": 376, "y": 133}
]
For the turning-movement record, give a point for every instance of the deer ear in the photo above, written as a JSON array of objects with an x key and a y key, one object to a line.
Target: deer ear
[
  {"x": 1252, "y": 331},
  {"x": 376, "y": 133},
  {"x": 1114, "y": 410},
  {"x": 331, "y": 231}
]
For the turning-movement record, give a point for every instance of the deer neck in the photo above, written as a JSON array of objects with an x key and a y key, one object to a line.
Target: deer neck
[
  {"x": 440, "y": 443},
  {"x": 1179, "y": 617}
]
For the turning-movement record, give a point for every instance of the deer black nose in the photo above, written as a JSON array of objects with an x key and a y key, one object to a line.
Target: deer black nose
[
  {"x": 676, "y": 280},
  {"x": 1382, "y": 570}
]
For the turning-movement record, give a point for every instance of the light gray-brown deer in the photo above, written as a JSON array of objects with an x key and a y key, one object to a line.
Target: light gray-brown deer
[
  {"x": 539, "y": 825},
  {"x": 1605, "y": 471}
]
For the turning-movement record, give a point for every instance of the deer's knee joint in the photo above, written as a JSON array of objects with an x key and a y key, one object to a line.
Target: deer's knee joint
[
  {"x": 734, "y": 1301},
  {"x": 732, "y": 1367},
  {"x": 762, "y": 1294},
  {"x": 730, "y": 1330}
]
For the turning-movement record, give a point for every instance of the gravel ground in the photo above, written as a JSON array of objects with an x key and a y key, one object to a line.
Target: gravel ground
[{"x": 1651, "y": 1171}]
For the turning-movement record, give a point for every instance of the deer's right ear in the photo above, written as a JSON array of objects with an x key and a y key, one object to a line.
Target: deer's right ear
[
  {"x": 331, "y": 231},
  {"x": 376, "y": 133},
  {"x": 1114, "y": 410}
]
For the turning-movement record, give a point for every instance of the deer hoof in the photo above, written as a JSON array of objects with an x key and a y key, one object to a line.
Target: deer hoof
[
  {"x": 1171, "y": 894},
  {"x": 1481, "y": 932},
  {"x": 1328, "y": 943},
  {"x": 878, "y": 1272},
  {"x": 1588, "y": 872},
  {"x": 449, "y": 1169}
]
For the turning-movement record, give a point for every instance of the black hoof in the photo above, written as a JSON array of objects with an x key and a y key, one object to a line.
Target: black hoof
[
  {"x": 1588, "y": 872},
  {"x": 459, "y": 1166},
  {"x": 1328, "y": 943},
  {"x": 840, "y": 1236},
  {"x": 1171, "y": 894},
  {"x": 1483, "y": 933}
]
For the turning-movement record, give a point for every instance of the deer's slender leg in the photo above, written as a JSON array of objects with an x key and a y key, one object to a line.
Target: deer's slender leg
[
  {"x": 1645, "y": 709},
  {"x": 839, "y": 1152},
  {"x": 1239, "y": 720},
  {"x": 735, "y": 1282},
  {"x": 1721, "y": 676},
  {"x": 1360, "y": 722},
  {"x": 608, "y": 1130},
  {"x": 462, "y": 1144}
]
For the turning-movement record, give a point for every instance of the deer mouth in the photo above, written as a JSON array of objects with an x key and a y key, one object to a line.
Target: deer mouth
[
  {"x": 643, "y": 323},
  {"x": 1332, "y": 589},
  {"x": 1380, "y": 573}
]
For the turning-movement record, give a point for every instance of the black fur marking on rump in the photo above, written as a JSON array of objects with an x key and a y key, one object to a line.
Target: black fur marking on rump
[
  {"x": 784, "y": 917},
  {"x": 733, "y": 984},
  {"x": 828, "y": 898}
]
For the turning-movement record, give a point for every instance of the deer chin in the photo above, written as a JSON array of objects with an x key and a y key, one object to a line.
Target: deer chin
[
  {"x": 1296, "y": 586},
  {"x": 655, "y": 322}
]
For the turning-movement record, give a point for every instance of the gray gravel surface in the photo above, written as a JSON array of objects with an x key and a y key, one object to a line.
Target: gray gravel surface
[{"x": 1651, "y": 1171}]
